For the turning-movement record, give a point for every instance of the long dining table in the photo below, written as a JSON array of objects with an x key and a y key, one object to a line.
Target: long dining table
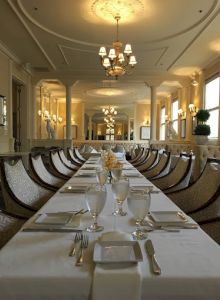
[{"x": 36, "y": 264}]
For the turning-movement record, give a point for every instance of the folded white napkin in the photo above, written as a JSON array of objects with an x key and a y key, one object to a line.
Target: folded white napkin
[{"x": 118, "y": 281}]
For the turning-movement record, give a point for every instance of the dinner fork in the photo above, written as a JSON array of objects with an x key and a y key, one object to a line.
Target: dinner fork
[
  {"x": 77, "y": 238},
  {"x": 84, "y": 244}
]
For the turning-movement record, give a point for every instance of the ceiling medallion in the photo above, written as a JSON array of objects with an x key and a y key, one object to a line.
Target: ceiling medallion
[{"x": 127, "y": 9}]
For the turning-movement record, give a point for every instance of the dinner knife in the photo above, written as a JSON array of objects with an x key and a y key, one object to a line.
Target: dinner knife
[{"x": 151, "y": 253}]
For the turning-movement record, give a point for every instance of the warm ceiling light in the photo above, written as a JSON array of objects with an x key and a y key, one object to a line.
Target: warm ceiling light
[{"x": 116, "y": 63}]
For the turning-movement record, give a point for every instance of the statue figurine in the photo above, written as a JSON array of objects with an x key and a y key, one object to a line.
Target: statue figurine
[
  {"x": 171, "y": 131},
  {"x": 50, "y": 130}
]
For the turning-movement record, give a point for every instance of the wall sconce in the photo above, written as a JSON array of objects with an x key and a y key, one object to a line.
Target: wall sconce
[
  {"x": 146, "y": 122},
  {"x": 192, "y": 109},
  {"x": 181, "y": 113}
]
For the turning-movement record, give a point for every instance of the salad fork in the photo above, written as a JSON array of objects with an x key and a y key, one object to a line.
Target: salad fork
[
  {"x": 84, "y": 244},
  {"x": 77, "y": 238}
]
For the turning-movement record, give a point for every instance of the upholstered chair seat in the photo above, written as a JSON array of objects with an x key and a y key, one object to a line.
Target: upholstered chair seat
[
  {"x": 9, "y": 226},
  {"x": 178, "y": 178},
  {"x": 43, "y": 174},
  {"x": 59, "y": 166},
  {"x": 21, "y": 194},
  {"x": 202, "y": 192},
  {"x": 149, "y": 162},
  {"x": 68, "y": 163},
  {"x": 161, "y": 168}
]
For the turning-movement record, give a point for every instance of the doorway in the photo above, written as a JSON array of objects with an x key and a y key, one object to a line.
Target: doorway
[{"x": 17, "y": 102}]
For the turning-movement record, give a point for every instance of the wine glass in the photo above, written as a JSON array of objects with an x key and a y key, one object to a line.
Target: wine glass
[
  {"x": 101, "y": 176},
  {"x": 139, "y": 204},
  {"x": 120, "y": 190},
  {"x": 116, "y": 173},
  {"x": 95, "y": 201}
]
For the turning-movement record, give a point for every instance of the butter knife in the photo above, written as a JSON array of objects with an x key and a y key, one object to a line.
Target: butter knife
[{"x": 151, "y": 253}]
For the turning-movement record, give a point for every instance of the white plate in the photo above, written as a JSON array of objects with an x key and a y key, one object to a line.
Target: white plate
[
  {"x": 132, "y": 174},
  {"x": 54, "y": 218},
  {"x": 74, "y": 189},
  {"x": 168, "y": 217},
  {"x": 108, "y": 252}
]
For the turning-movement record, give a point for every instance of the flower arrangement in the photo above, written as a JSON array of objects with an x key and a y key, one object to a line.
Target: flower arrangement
[{"x": 110, "y": 161}]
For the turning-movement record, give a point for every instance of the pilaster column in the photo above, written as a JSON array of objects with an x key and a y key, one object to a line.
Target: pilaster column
[
  {"x": 129, "y": 128},
  {"x": 68, "y": 111},
  {"x": 90, "y": 127},
  {"x": 153, "y": 113}
]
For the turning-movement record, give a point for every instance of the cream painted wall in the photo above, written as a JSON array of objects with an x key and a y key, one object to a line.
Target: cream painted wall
[{"x": 141, "y": 116}]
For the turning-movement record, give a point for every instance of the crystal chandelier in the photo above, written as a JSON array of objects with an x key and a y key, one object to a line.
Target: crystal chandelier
[
  {"x": 109, "y": 111},
  {"x": 117, "y": 63}
]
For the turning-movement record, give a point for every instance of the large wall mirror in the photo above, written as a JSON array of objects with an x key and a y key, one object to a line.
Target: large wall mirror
[{"x": 3, "y": 111}]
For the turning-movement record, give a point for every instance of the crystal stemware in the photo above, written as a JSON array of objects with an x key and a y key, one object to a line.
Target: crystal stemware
[
  {"x": 95, "y": 201},
  {"x": 120, "y": 190},
  {"x": 139, "y": 204},
  {"x": 116, "y": 173},
  {"x": 101, "y": 176}
]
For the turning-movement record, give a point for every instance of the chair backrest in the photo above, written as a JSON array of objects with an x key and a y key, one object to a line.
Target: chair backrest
[
  {"x": 179, "y": 175},
  {"x": 161, "y": 168},
  {"x": 145, "y": 154},
  {"x": 66, "y": 161},
  {"x": 73, "y": 157},
  {"x": 202, "y": 192},
  {"x": 9, "y": 226},
  {"x": 78, "y": 155},
  {"x": 58, "y": 164},
  {"x": 149, "y": 162},
  {"x": 39, "y": 168},
  {"x": 20, "y": 186}
]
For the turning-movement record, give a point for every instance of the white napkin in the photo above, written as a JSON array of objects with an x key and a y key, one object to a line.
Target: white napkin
[{"x": 116, "y": 281}]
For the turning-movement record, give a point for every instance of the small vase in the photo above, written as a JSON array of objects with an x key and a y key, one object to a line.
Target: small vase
[{"x": 109, "y": 177}]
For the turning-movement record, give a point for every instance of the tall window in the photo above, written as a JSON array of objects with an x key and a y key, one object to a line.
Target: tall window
[
  {"x": 174, "y": 115},
  {"x": 162, "y": 124},
  {"x": 212, "y": 104}
]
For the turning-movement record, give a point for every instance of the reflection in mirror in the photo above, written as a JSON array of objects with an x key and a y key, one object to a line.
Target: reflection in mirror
[{"x": 3, "y": 111}]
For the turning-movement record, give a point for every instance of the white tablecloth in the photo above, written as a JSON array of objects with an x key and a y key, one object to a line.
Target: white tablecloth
[{"x": 37, "y": 266}]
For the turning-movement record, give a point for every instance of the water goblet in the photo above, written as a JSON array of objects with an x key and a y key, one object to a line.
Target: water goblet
[
  {"x": 120, "y": 190},
  {"x": 116, "y": 173},
  {"x": 139, "y": 204},
  {"x": 95, "y": 201},
  {"x": 101, "y": 176}
]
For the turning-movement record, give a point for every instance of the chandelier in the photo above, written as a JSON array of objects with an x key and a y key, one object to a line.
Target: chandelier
[
  {"x": 109, "y": 111},
  {"x": 117, "y": 63}
]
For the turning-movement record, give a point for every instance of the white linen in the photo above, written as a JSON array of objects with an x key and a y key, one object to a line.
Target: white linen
[
  {"x": 125, "y": 278},
  {"x": 36, "y": 266}
]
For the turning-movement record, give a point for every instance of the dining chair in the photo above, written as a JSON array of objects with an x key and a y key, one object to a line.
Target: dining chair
[
  {"x": 58, "y": 166},
  {"x": 177, "y": 178},
  {"x": 137, "y": 153},
  {"x": 150, "y": 161},
  {"x": 41, "y": 174},
  {"x": 78, "y": 155},
  {"x": 73, "y": 158},
  {"x": 21, "y": 194},
  {"x": 9, "y": 226},
  {"x": 66, "y": 162},
  {"x": 142, "y": 159},
  {"x": 212, "y": 228},
  {"x": 161, "y": 168},
  {"x": 202, "y": 193}
]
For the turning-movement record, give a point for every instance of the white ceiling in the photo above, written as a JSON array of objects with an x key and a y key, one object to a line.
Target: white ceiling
[{"x": 170, "y": 38}]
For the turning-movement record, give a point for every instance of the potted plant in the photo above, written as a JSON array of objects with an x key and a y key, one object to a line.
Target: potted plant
[{"x": 202, "y": 130}]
